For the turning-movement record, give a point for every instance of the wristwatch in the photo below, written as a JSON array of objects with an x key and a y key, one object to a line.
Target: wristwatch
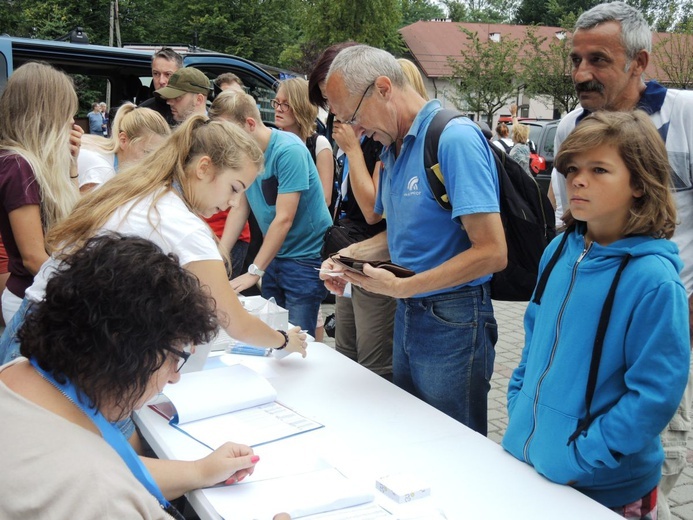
[{"x": 253, "y": 269}]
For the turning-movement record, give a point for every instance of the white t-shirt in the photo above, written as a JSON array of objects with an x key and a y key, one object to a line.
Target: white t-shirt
[
  {"x": 321, "y": 143},
  {"x": 95, "y": 167},
  {"x": 171, "y": 226}
]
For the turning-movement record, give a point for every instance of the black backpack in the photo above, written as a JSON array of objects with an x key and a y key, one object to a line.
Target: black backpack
[
  {"x": 311, "y": 143},
  {"x": 527, "y": 214}
]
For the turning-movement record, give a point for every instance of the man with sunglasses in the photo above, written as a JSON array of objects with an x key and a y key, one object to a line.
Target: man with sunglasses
[{"x": 445, "y": 330}]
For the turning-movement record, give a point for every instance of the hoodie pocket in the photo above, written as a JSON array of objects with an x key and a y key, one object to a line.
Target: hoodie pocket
[{"x": 541, "y": 439}]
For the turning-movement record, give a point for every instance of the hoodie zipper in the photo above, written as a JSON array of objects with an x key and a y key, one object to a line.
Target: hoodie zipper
[{"x": 535, "y": 406}]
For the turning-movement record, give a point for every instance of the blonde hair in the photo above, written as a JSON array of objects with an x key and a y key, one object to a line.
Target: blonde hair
[
  {"x": 227, "y": 146},
  {"x": 36, "y": 114},
  {"x": 413, "y": 75},
  {"x": 520, "y": 133},
  {"x": 642, "y": 150},
  {"x": 296, "y": 91},
  {"x": 236, "y": 106},
  {"x": 136, "y": 123}
]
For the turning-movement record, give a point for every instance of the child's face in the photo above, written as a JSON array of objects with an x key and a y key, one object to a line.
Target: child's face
[{"x": 600, "y": 193}]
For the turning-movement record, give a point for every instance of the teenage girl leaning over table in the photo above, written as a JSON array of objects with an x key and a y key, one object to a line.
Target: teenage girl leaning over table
[
  {"x": 202, "y": 168},
  {"x": 77, "y": 377}
]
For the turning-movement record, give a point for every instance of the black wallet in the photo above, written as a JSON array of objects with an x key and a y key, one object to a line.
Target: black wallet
[{"x": 352, "y": 264}]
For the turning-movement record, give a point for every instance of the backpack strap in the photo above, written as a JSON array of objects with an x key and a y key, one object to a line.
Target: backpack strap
[
  {"x": 311, "y": 143},
  {"x": 434, "y": 175},
  {"x": 597, "y": 351},
  {"x": 541, "y": 285}
]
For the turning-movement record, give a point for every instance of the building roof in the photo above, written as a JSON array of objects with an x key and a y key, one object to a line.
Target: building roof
[{"x": 430, "y": 43}]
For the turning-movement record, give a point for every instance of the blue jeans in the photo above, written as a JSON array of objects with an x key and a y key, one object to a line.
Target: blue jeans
[
  {"x": 443, "y": 352},
  {"x": 296, "y": 286},
  {"x": 9, "y": 344}
]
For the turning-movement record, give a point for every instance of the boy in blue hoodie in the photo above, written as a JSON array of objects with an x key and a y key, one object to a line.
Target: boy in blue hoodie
[{"x": 606, "y": 351}]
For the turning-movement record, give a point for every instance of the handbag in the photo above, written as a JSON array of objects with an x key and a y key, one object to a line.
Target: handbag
[{"x": 340, "y": 235}]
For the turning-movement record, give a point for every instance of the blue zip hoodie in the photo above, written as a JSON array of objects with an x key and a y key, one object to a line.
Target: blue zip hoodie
[{"x": 641, "y": 378}]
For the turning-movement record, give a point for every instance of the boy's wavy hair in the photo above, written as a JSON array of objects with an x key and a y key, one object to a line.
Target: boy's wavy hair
[{"x": 642, "y": 150}]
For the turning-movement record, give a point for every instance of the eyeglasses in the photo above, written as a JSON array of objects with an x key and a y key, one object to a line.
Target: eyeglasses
[
  {"x": 277, "y": 105},
  {"x": 352, "y": 120},
  {"x": 183, "y": 356}
]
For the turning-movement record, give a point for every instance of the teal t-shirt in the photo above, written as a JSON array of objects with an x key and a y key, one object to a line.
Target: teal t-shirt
[{"x": 289, "y": 168}]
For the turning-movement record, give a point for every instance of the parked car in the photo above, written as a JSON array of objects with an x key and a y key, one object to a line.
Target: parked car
[
  {"x": 542, "y": 133},
  {"x": 127, "y": 71}
]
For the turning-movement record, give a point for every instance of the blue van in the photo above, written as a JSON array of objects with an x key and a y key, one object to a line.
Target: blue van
[{"x": 127, "y": 72}]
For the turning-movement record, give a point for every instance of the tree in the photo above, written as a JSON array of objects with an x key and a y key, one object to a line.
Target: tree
[
  {"x": 373, "y": 22},
  {"x": 483, "y": 76},
  {"x": 415, "y": 10},
  {"x": 546, "y": 69},
  {"x": 479, "y": 11},
  {"x": 674, "y": 56},
  {"x": 550, "y": 12}
]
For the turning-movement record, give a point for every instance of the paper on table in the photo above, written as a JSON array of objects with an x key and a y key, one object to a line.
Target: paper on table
[
  {"x": 252, "y": 426},
  {"x": 298, "y": 495},
  {"x": 200, "y": 395},
  {"x": 231, "y": 403}
]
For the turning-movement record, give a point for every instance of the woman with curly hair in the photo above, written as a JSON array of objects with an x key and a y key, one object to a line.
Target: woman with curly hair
[{"x": 112, "y": 331}]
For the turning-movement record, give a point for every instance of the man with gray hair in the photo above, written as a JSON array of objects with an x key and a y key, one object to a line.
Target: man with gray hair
[
  {"x": 445, "y": 330},
  {"x": 611, "y": 48}
]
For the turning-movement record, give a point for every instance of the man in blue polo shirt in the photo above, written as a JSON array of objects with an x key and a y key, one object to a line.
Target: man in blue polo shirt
[{"x": 445, "y": 330}]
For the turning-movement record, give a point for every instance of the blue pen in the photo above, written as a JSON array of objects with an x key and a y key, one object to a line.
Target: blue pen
[{"x": 247, "y": 350}]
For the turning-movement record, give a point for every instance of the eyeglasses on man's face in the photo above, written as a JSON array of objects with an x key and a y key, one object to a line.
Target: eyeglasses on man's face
[
  {"x": 183, "y": 357},
  {"x": 352, "y": 119},
  {"x": 282, "y": 107}
]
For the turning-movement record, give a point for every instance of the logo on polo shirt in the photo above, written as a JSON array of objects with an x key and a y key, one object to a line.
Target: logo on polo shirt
[{"x": 412, "y": 187}]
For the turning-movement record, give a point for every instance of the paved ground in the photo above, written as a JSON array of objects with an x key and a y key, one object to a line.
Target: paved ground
[{"x": 511, "y": 338}]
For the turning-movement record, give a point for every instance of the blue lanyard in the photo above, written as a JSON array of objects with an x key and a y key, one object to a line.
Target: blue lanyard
[{"x": 110, "y": 433}]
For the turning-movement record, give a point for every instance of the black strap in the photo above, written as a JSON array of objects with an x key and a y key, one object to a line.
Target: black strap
[
  {"x": 541, "y": 285},
  {"x": 597, "y": 350},
  {"x": 435, "y": 128}
]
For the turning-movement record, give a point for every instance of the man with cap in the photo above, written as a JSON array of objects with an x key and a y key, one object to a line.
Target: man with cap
[{"x": 186, "y": 93}]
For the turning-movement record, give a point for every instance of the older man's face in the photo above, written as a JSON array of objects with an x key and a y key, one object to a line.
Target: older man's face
[
  {"x": 605, "y": 79},
  {"x": 363, "y": 112}
]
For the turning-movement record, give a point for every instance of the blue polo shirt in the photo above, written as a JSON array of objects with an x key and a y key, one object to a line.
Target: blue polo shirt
[
  {"x": 420, "y": 234},
  {"x": 289, "y": 168}
]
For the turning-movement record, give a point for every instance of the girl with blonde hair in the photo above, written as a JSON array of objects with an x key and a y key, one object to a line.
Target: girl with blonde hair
[
  {"x": 202, "y": 168},
  {"x": 293, "y": 112},
  {"x": 136, "y": 132},
  {"x": 520, "y": 150},
  {"x": 413, "y": 75},
  {"x": 37, "y": 140}
]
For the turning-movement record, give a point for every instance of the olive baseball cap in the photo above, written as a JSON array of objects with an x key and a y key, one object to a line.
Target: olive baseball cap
[{"x": 187, "y": 79}]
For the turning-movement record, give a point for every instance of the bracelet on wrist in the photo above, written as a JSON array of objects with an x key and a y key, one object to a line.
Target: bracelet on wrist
[{"x": 286, "y": 340}]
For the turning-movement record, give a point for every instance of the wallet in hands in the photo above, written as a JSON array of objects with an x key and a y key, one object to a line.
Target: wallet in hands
[{"x": 352, "y": 264}]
